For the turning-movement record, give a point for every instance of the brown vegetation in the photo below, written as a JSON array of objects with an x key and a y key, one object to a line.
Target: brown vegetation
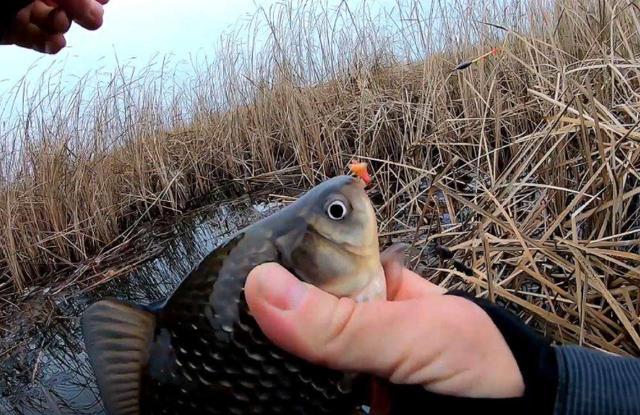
[{"x": 530, "y": 154}]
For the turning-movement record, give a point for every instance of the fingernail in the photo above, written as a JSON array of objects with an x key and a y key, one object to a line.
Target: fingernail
[{"x": 279, "y": 288}]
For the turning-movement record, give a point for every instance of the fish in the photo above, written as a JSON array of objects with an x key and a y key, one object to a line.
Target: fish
[{"x": 200, "y": 350}]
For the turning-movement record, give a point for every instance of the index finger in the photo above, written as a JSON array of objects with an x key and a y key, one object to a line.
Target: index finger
[{"x": 87, "y": 13}]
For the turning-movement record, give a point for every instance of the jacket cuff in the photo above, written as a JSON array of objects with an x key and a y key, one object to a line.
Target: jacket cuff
[
  {"x": 533, "y": 353},
  {"x": 594, "y": 382}
]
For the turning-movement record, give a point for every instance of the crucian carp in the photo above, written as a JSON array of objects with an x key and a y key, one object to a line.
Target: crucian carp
[{"x": 200, "y": 350}]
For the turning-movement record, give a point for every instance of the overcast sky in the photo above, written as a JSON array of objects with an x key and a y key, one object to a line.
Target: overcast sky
[
  {"x": 133, "y": 33},
  {"x": 134, "y": 30}
]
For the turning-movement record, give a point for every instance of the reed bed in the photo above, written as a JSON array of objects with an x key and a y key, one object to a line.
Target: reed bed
[{"x": 524, "y": 163}]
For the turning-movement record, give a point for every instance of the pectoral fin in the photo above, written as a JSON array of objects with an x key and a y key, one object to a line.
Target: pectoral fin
[
  {"x": 117, "y": 339},
  {"x": 393, "y": 260}
]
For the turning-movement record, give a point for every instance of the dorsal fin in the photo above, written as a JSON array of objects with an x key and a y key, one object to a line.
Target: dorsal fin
[{"x": 117, "y": 337}]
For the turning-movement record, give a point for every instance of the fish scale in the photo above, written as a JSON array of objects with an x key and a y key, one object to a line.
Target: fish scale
[
  {"x": 201, "y": 351},
  {"x": 237, "y": 365}
]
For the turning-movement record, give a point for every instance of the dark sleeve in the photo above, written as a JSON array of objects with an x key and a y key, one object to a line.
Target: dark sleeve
[
  {"x": 536, "y": 360},
  {"x": 533, "y": 353},
  {"x": 563, "y": 380},
  {"x": 593, "y": 382}
]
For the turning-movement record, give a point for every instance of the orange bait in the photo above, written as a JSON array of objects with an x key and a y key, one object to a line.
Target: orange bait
[{"x": 360, "y": 170}]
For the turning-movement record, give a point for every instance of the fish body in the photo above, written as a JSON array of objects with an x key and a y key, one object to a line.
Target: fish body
[{"x": 200, "y": 351}]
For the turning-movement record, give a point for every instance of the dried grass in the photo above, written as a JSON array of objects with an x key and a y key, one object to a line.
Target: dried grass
[{"x": 525, "y": 164}]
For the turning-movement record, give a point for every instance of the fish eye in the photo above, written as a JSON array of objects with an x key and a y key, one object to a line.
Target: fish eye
[{"x": 337, "y": 210}]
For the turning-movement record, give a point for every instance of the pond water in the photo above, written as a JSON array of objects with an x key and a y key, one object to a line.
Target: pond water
[{"x": 52, "y": 375}]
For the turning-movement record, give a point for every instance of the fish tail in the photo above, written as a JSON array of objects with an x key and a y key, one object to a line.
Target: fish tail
[{"x": 117, "y": 338}]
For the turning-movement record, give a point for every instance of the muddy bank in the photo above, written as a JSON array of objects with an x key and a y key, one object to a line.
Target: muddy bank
[{"x": 48, "y": 371}]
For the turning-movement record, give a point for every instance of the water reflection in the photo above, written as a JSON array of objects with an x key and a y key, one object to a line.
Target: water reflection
[{"x": 51, "y": 374}]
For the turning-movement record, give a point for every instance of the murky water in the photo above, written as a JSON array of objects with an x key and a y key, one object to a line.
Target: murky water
[{"x": 52, "y": 375}]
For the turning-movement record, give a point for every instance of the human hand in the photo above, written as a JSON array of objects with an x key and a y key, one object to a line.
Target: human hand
[
  {"x": 41, "y": 25},
  {"x": 420, "y": 336}
]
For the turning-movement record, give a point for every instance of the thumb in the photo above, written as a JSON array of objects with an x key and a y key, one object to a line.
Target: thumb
[{"x": 375, "y": 337}]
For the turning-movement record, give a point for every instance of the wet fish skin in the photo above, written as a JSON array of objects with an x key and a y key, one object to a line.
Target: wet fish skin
[
  {"x": 223, "y": 364},
  {"x": 205, "y": 353}
]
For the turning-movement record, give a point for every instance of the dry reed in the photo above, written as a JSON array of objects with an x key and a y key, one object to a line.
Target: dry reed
[{"x": 524, "y": 163}]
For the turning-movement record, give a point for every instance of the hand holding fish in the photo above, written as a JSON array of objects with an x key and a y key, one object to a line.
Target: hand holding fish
[
  {"x": 445, "y": 343},
  {"x": 41, "y": 24}
]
